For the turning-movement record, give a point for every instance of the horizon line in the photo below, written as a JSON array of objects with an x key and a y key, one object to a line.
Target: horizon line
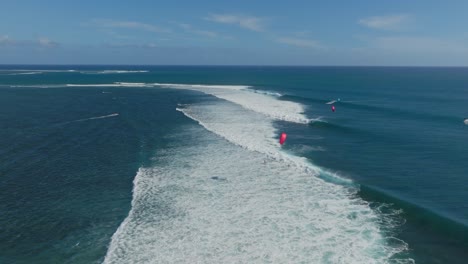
[{"x": 235, "y": 65}]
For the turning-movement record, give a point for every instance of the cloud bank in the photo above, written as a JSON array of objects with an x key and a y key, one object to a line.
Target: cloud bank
[
  {"x": 391, "y": 22},
  {"x": 247, "y": 22}
]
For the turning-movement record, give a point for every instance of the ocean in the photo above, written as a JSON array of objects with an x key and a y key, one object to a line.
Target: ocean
[{"x": 181, "y": 164}]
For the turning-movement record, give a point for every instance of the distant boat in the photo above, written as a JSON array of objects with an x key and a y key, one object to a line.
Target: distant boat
[{"x": 465, "y": 121}]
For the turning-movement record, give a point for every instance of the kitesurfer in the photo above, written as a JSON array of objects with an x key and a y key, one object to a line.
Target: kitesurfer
[{"x": 282, "y": 138}]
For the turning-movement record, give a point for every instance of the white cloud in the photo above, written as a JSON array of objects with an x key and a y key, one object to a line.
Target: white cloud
[
  {"x": 109, "y": 23},
  {"x": 419, "y": 45},
  {"x": 185, "y": 26},
  {"x": 117, "y": 35},
  {"x": 248, "y": 22},
  {"x": 45, "y": 42},
  {"x": 189, "y": 28},
  {"x": 205, "y": 33},
  {"x": 5, "y": 40},
  {"x": 42, "y": 42},
  {"x": 300, "y": 42},
  {"x": 391, "y": 22},
  {"x": 131, "y": 45},
  {"x": 411, "y": 51}
]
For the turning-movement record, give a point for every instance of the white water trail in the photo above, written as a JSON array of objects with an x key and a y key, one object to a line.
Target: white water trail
[{"x": 92, "y": 118}]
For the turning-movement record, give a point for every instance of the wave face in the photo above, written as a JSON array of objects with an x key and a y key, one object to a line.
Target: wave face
[{"x": 232, "y": 196}]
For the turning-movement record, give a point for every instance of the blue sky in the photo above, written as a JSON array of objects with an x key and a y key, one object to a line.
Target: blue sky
[{"x": 403, "y": 33}]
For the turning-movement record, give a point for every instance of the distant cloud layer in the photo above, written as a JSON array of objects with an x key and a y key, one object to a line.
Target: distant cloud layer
[
  {"x": 391, "y": 22},
  {"x": 419, "y": 45},
  {"x": 45, "y": 42},
  {"x": 6, "y": 41},
  {"x": 189, "y": 28},
  {"x": 299, "y": 42},
  {"x": 248, "y": 22},
  {"x": 256, "y": 35},
  {"x": 109, "y": 23}
]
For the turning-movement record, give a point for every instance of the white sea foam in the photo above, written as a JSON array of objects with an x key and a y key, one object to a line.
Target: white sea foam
[
  {"x": 26, "y": 73},
  {"x": 37, "y": 70},
  {"x": 116, "y": 84},
  {"x": 113, "y": 71},
  {"x": 267, "y": 93},
  {"x": 269, "y": 207},
  {"x": 201, "y": 86},
  {"x": 249, "y": 99},
  {"x": 37, "y": 86}
]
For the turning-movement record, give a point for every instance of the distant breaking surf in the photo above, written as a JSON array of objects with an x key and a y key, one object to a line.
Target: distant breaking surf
[
  {"x": 265, "y": 103},
  {"x": 113, "y": 71},
  {"x": 271, "y": 207}
]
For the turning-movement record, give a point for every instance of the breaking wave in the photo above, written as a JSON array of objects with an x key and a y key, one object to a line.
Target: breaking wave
[{"x": 225, "y": 192}]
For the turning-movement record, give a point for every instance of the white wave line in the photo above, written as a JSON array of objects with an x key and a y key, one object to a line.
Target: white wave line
[
  {"x": 26, "y": 73},
  {"x": 113, "y": 71},
  {"x": 257, "y": 102},
  {"x": 37, "y": 70},
  {"x": 116, "y": 84},
  {"x": 96, "y": 117}
]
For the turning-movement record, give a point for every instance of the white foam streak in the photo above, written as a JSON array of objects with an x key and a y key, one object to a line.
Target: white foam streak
[
  {"x": 26, "y": 73},
  {"x": 96, "y": 117},
  {"x": 106, "y": 116},
  {"x": 113, "y": 71},
  {"x": 36, "y": 70},
  {"x": 117, "y": 84},
  {"x": 121, "y": 71},
  {"x": 200, "y": 86}
]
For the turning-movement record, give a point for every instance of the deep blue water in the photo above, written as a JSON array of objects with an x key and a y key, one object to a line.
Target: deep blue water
[{"x": 69, "y": 154}]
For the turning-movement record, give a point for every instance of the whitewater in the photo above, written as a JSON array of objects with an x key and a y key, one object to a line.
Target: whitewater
[{"x": 225, "y": 192}]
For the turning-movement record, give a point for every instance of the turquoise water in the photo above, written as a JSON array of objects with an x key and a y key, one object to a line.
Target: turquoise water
[{"x": 122, "y": 164}]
